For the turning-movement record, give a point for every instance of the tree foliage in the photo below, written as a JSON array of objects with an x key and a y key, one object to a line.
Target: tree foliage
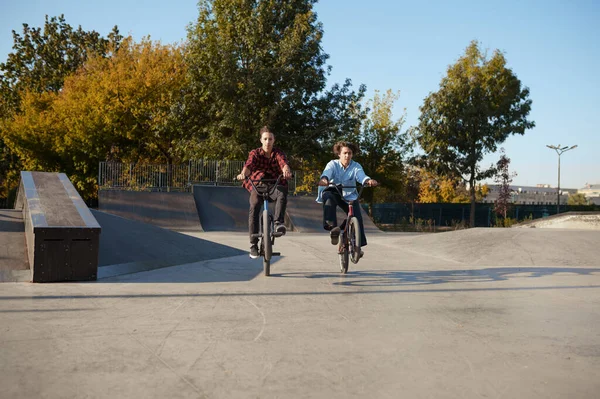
[
  {"x": 124, "y": 107},
  {"x": 43, "y": 57},
  {"x": 503, "y": 178},
  {"x": 383, "y": 147},
  {"x": 41, "y": 60},
  {"x": 435, "y": 188},
  {"x": 479, "y": 104},
  {"x": 260, "y": 62},
  {"x": 577, "y": 199}
]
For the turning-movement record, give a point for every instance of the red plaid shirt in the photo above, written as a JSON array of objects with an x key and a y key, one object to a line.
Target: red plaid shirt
[{"x": 262, "y": 167}]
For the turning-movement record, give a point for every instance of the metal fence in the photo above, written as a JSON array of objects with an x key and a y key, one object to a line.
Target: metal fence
[
  {"x": 451, "y": 214},
  {"x": 181, "y": 177}
]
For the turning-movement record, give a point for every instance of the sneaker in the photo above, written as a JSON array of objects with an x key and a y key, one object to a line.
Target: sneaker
[
  {"x": 335, "y": 235},
  {"x": 280, "y": 228},
  {"x": 361, "y": 254},
  {"x": 254, "y": 251}
]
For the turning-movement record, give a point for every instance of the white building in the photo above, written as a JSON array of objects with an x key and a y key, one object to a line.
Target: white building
[{"x": 541, "y": 194}]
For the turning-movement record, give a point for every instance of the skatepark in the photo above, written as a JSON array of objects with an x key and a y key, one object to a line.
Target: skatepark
[{"x": 178, "y": 309}]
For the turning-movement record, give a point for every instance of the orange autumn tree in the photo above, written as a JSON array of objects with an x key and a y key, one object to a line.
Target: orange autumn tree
[{"x": 125, "y": 107}]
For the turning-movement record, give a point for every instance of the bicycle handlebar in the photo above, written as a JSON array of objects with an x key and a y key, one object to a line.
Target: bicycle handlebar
[
  {"x": 339, "y": 188},
  {"x": 268, "y": 181}
]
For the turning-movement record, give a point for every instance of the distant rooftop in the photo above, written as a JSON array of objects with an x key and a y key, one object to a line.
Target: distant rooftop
[{"x": 591, "y": 186}]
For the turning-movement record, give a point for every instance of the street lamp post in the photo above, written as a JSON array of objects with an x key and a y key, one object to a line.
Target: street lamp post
[{"x": 559, "y": 150}]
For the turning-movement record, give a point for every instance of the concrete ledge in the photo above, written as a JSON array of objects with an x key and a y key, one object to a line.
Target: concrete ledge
[{"x": 62, "y": 235}]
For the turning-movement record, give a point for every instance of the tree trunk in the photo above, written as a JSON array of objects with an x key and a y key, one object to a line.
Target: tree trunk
[{"x": 472, "y": 217}]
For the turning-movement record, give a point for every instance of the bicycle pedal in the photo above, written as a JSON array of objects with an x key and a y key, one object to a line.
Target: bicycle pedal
[{"x": 276, "y": 254}]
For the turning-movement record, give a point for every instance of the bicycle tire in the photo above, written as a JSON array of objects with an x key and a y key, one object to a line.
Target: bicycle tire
[
  {"x": 267, "y": 235},
  {"x": 267, "y": 267},
  {"x": 354, "y": 240},
  {"x": 343, "y": 253}
]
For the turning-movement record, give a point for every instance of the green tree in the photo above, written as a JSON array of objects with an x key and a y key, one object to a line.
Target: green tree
[
  {"x": 260, "y": 62},
  {"x": 383, "y": 146},
  {"x": 577, "y": 199},
  {"x": 43, "y": 57},
  {"x": 479, "y": 104},
  {"x": 503, "y": 178}
]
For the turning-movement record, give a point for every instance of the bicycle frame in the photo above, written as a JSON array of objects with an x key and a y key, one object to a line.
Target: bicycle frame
[
  {"x": 265, "y": 233},
  {"x": 349, "y": 243}
]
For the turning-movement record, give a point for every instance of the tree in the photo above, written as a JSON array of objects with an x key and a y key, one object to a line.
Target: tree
[
  {"x": 41, "y": 59},
  {"x": 383, "y": 145},
  {"x": 260, "y": 62},
  {"x": 435, "y": 188},
  {"x": 577, "y": 199},
  {"x": 125, "y": 108},
  {"x": 479, "y": 104},
  {"x": 503, "y": 178}
]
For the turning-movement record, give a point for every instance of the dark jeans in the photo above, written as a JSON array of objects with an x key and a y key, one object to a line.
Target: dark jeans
[
  {"x": 279, "y": 195},
  {"x": 333, "y": 199}
]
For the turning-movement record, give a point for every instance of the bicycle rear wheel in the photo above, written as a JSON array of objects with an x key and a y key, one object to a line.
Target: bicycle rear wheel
[
  {"x": 343, "y": 252},
  {"x": 354, "y": 240},
  {"x": 267, "y": 243}
]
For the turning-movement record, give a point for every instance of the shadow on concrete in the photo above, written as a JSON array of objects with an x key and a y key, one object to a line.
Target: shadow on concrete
[
  {"x": 128, "y": 247},
  {"x": 46, "y": 310},
  {"x": 359, "y": 280},
  {"x": 234, "y": 269},
  {"x": 416, "y": 277},
  {"x": 296, "y": 293}
]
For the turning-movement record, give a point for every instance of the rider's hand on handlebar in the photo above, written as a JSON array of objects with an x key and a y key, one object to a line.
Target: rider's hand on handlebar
[
  {"x": 371, "y": 183},
  {"x": 241, "y": 176},
  {"x": 287, "y": 172},
  {"x": 323, "y": 182}
]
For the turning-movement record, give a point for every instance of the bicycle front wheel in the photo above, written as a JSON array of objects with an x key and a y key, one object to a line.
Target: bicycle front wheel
[
  {"x": 354, "y": 240},
  {"x": 267, "y": 267},
  {"x": 343, "y": 252},
  {"x": 266, "y": 239}
]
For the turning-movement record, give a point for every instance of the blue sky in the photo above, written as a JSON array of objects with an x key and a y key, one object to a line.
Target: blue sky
[{"x": 552, "y": 46}]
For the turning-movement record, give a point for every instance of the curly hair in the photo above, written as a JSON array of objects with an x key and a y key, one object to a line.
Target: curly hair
[{"x": 337, "y": 147}]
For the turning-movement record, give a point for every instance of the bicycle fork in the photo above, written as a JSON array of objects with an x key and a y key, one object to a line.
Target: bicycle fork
[{"x": 343, "y": 232}]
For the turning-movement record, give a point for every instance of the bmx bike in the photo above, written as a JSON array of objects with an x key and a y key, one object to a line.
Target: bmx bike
[
  {"x": 349, "y": 241},
  {"x": 266, "y": 230}
]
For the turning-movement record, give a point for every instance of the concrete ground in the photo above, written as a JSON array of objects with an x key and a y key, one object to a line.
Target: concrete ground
[{"x": 510, "y": 313}]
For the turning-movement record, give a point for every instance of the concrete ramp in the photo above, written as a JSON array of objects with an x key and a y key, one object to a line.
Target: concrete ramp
[
  {"x": 226, "y": 209},
  {"x": 14, "y": 265},
  {"x": 568, "y": 220},
  {"x": 222, "y": 208},
  {"x": 305, "y": 215},
  {"x": 128, "y": 246},
  {"x": 175, "y": 211},
  {"x": 485, "y": 247}
]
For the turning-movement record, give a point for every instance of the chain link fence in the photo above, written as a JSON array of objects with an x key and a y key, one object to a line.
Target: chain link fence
[{"x": 181, "y": 177}]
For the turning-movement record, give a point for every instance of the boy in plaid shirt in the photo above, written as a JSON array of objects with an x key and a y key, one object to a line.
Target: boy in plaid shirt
[{"x": 266, "y": 162}]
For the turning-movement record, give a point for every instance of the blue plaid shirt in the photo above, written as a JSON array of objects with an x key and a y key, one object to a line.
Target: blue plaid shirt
[{"x": 349, "y": 176}]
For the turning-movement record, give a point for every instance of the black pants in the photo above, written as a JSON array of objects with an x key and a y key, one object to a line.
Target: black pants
[
  {"x": 279, "y": 195},
  {"x": 333, "y": 199}
]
